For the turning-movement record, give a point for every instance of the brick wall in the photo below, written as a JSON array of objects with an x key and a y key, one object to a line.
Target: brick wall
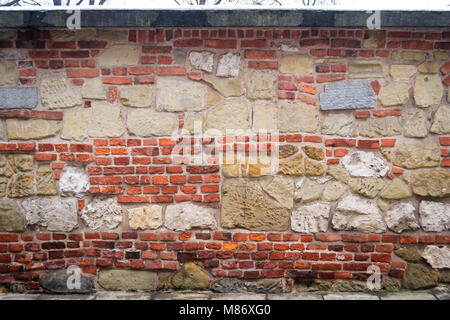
[{"x": 84, "y": 136}]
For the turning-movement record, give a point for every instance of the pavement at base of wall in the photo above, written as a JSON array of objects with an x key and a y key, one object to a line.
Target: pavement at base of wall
[{"x": 434, "y": 294}]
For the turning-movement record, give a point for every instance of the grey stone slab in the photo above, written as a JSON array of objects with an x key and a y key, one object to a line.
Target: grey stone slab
[
  {"x": 295, "y": 296},
  {"x": 18, "y": 97},
  {"x": 122, "y": 296},
  {"x": 66, "y": 297},
  {"x": 350, "y": 296},
  {"x": 13, "y": 296},
  {"x": 442, "y": 295},
  {"x": 238, "y": 296},
  {"x": 344, "y": 95},
  {"x": 409, "y": 296},
  {"x": 182, "y": 296}
]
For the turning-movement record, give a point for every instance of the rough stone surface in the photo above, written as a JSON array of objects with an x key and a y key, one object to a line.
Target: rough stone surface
[
  {"x": 148, "y": 217},
  {"x": 228, "y": 285},
  {"x": 409, "y": 254},
  {"x": 441, "y": 120},
  {"x": 244, "y": 205},
  {"x": 54, "y": 214},
  {"x": 228, "y": 116},
  {"x": 401, "y": 217},
  {"x": 397, "y": 190},
  {"x": 55, "y": 282},
  {"x": 418, "y": 276},
  {"x": 74, "y": 181},
  {"x": 21, "y": 162},
  {"x": 191, "y": 277},
  {"x": 362, "y": 69},
  {"x": 434, "y": 216},
  {"x": 21, "y": 185},
  {"x": 394, "y": 94},
  {"x": 266, "y": 286},
  {"x": 428, "y": 90},
  {"x": 365, "y": 164},
  {"x": 333, "y": 191},
  {"x": 18, "y": 98},
  {"x": 106, "y": 121},
  {"x": 380, "y": 127},
  {"x": 292, "y": 166},
  {"x": 354, "y": 213},
  {"x": 260, "y": 84},
  {"x": 402, "y": 71},
  {"x": 75, "y": 124},
  {"x": 264, "y": 117},
  {"x": 429, "y": 67},
  {"x": 308, "y": 191},
  {"x": 102, "y": 214},
  {"x": 296, "y": 64},
  {"x": 93, "y": 89},
  {"x": 9, "y": 74},
  {"x": 347, "y": 95},
  {"x": 409, "y": 56},
  {"x": 176, "y": 95},
  {"x": 416, "y": 154},
  {"x": 374, "y": 39},
  {"x": 311, "y": 218},
  {"x": 127, "y": 280},
  {"x": 338, "y": 124},
  {"x": 119, "y": 55},
  {"x": 281, "y": 189},
  {"x": 110, "y": 35},
  {"x": 31, "y": 129},
  {"x": 415, "y": 124},
  {"x": 314, "y": 168},
  {"x": 297, "y": 117},
  {"x": 434, "y": 183},
  {"x": 314, "y": 152},
  {"x": 339, "y": 173},
  {"x": 138, "y": 97},
  {"x": 194, "y": 123},
  {"x": 10, "y": 216},
  {"x": 437, "y": 257},
  {"x": 367, "y": 187},
  {"x": 56, "y": 93},
  {"x": 203, "y": 60},
  {"x": 226, "y": 87},
  {"x": 45, "y": 181},
  {"x": 229, "y": 65},
  {"x": 186, "y": 216},
  {"x": 145, "y": 123},
  {"x": 287, "y": 150}
]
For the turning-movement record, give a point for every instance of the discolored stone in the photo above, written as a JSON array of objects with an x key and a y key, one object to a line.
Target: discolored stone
[
  {"x": 176, "y": 95},
  {"x": 365, "y": 164},
  {"x": 333, "y": 191},
  {"x": 191, "y": 277},
  {"x": 56, "y": 93},
  {"x": 292, "y": 166},
  {"x": 297, "y": 117},
  {"x": 110, "y": 35},
  {"x": 56, "y": 282},
  {"x": 339, "y": 173},
  {"x": 244, "y": 205},
  {"x": 194, "y": 123},
  {"x": 416, "y": 154},
  {"x": 146, "y": 123},
  {"x": 226, "y": 87},
  {"x": 314, "y": 168},
  {"x": 437, "y": 257},
  {"x": 102, "y": 214},
  {"x": 138, "y": 97},
  {"x": 343, "y": 95},
  {"x": 21, "y": 162},
  {"x": 264, "y": 117},
  {"x": 228, "y": 65},
  {"x": 63, "y": 35},
  {"x": 354, "y": 213},
  {"x": 53, "y": 214},
  {"x": 338, "y": 124},
  {"x": 296, "y": 64},
  {"x": 45, "y": 181},
  {"x": 408, "y": 56},
  {"x": 415, "y": 124},
  {"x": 434, "y": 216},
  {"x": 309, "y": 191},
  {"x": 287, "y": 150},
  {"x": 3, "y": 186},
  {"x": 402, "y": 71},
  {"x": 75, "y": 124},
  {"x": 186, "y": 216},
  {"x": 93, "y": 89},
  {"x": 394, "y": 94},
  {"x": 418, "y": 276},
  {"x": 397, "y": 190},
  {"x": 367, "y": 187},
  {"x": 435, "y": 183},
  {"x": 229, "y": 116},
  {"x": 106, "y": 121},
  {"x": 148, "y": 217},
  {"x": 9, "y": 74},
  {"x": 380, "y": 127},
  {"x": 21, "y": 185},
  {"x": 212, "y": 98},
  {"x": 441, "y": 120},
  {"x": 119, "y": 55},
  {"x": 203, "y": 60},
  {"x": 428, "y": 90},
  {"x": 5, "y": 170},
  {"x": 311, "y": 218},
  {"x": 429, "y": 67},
  {"x": 400, "y": 217},
  {"x": 31, "y": 129},
  {"x": 127, "y": 280},
  {"x": 279, "y": 188},
  {"x": 74, "y": 181},
  {"x": 314, "y": 152},
  {"x": 10, "y": 216},
  {"x": 260, "y": 84},
  {"x": 374, "y": 39},
  {"x": 361, "y": 69}
]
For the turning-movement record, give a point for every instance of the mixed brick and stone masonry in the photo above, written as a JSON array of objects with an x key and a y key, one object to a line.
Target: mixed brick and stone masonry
[{"x": 231, "y": 159}]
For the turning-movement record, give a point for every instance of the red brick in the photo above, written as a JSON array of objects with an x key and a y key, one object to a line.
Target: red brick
[
  {"x": 117, "y": 80},
  {"x": 83, "y": 73},
  {"x": 259, "y": 54},
  {"x": 221, "y": 44}
]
